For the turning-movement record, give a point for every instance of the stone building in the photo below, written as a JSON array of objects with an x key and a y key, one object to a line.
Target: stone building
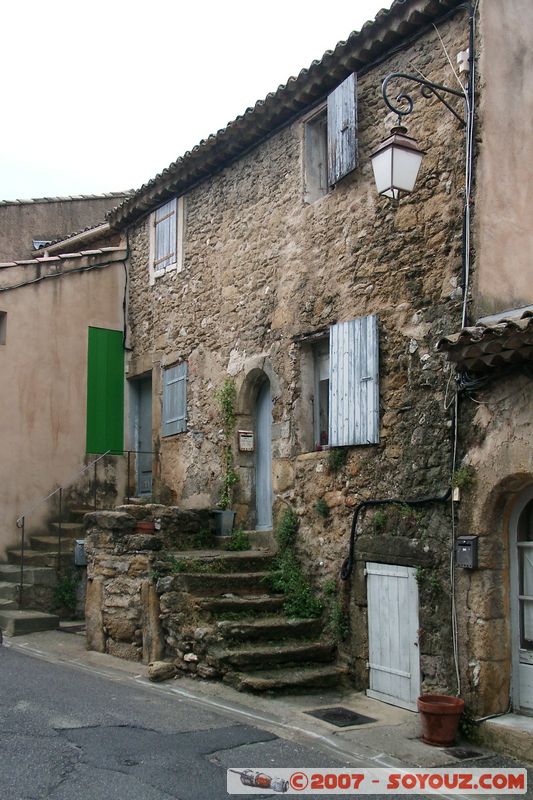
[{"x": 265, "y": 257}]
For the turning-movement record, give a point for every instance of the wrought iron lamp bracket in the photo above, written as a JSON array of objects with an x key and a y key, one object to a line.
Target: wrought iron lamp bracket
[{"x": 406, "y": 102}]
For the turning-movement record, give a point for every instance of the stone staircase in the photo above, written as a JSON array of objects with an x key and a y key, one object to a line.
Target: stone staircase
[
  {"x": 222, "y": 620},
  {"x": 40, "y": 577}
]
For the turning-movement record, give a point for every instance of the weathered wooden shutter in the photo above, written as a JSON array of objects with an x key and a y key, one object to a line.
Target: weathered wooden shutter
[
  {"x": 354, "y": 382},
  {"x": 175, "y": 399},
  {"x": 165, "y": 235},
  {"x": 342, "y": 129},
  {"x": 105, "y": 391}
]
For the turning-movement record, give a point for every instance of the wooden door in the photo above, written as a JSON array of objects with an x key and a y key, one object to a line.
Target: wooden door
[
  {"x": 144, "y": 436},
  {"x": 521, "y": 541},
  {"x": 393, "y": 662}
]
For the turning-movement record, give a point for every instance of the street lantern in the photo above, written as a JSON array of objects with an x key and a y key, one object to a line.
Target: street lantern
[{"x": 396, "y": 162}]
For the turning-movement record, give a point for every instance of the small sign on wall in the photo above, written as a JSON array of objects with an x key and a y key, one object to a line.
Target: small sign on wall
[{"x": 246, "y": 441}]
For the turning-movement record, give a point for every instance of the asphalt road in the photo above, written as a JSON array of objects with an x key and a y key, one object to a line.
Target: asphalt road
[
  {"x": 70, "y": 734},
  {"x": 66, "y": 734}
]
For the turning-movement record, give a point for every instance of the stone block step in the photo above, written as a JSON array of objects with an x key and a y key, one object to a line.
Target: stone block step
[
  {"x": 5, "y": 604},
  {"x": 17, "y": 623},
  {"x": 74, "y": 529},
  {"x": 37, "y": 558},
  {"x": 8, "y": 590},
  {"x": 269, "y": 629},
  {"x": 204, "y": 584},
  {"x": 262, "y": 656},
  {"x": 289, "y": 679},
  {"x": 33, "y": 576},
  {"x": 233, "y": 604},
  {"x": 48, "y": 543},
  {"x": 237, "y": 562}
]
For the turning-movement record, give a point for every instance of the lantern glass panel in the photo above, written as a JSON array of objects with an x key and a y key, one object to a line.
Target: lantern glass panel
[{"x": 405, "y": 166}]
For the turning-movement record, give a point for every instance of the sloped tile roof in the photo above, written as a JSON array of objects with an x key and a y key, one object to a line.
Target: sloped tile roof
[
  {"x": 501, "y": 343},
  {"x": 65, "y": 199},
  {"x": 389, "y": 29}
]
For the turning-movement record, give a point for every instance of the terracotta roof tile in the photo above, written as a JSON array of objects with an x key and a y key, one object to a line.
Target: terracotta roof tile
[
  {"x": 389, "y": 29},
  {"x": 506, "y": 341}
]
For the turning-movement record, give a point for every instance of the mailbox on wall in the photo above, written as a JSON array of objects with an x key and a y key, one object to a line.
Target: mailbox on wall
[{"x": 466, "y": 552}]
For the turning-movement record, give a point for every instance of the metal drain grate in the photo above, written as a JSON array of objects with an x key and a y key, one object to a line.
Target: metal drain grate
[
  {"x": 462, "y": 753},
  {"x": 340, "y": 716}
]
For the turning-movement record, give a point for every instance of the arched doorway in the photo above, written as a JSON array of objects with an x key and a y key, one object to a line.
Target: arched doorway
[
  {"x": 263, "y": 456},
  {"x": 521, "y": 585}
]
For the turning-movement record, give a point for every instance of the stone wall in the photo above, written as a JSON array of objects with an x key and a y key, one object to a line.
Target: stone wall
[
  {"x": 122, "y": 605},
  {"x": 262, "y": 269},
  {"x": 497, "y": 438}
]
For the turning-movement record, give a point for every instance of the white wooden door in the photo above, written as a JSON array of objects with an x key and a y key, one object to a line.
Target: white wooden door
[{"x": 394, "y": 661}]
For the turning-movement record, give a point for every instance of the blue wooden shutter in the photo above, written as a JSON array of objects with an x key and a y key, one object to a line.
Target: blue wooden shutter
[
  {"x": 165, "y": 235},
  {"x": 175, "y": 399},
  {"x": 354, "y": 382},
  {"x": 342, "y": 129}
]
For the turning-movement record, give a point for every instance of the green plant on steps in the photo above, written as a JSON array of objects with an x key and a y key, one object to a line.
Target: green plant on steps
[
  {"x": 463, "y": 477},
  {"x": 287, "y": 576},
  {"x": 65, "y": 592},
  {"x": 469, "y": 728},
  {"x": 238, "y": 540},
  {"x": 227, "y": 397},
  {"x": 338, "y": 621}
]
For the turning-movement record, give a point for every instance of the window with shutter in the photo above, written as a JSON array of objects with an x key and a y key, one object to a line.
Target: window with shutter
[
  {"x": 174, "y": 400},
  {"x": 354, "y": 382},
  {"x": 342, "y": 129},
  {"x": 166, "y": 239},
  {"x": 330, "y": 141}
]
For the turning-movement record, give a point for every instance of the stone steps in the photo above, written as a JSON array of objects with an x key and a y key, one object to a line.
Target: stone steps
[
  {"x": 6, "y": 604},
  {"x": 206, "y": 584},
  {"x": 37, "y": 558},
  {"x": 240, "y": 561},
  {"x": 271, "y": 654},
  {"x": 269, "y": 629},
  {"x": 8, "y": 591},
  {"x": 49, "y": 543},
  {"x": 234, "y": 605},
  {"x": 33, "y": 576},
  {"x": 18, "y": 623},
  {"x": 288, "y": 679}
]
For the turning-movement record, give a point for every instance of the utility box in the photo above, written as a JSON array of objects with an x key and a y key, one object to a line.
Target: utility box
[
  {"x": 466, "y": 552},
  {"x": 80, "y": 559}
]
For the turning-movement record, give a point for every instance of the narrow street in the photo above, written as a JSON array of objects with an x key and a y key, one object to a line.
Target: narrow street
[{"x": 69, "y": 731}]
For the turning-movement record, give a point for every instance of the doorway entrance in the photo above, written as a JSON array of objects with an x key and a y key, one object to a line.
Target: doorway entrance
[
  {"x": 263, "y": 457},
  {"x": 141, "y": 406},
  {"x": 521, "y": 563},
  {"x": 393, "y": 657}
]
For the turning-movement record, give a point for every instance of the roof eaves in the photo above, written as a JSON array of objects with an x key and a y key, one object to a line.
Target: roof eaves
[{"x": 375, "y": 38}]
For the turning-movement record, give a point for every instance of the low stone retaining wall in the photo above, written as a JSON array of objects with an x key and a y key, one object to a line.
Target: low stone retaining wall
[{"x": 122, "y": 604}]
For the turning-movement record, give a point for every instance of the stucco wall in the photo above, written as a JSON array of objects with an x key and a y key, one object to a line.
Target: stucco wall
[
  {"x": 262, "y": 268},
  {"x": 43, "y": 369},
  {"x": 23, "y": 221},
  {"x": 504, "y": 196}
]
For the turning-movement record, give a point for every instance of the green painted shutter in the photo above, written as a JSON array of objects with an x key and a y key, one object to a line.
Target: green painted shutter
[{"x": 105, "y": 391}]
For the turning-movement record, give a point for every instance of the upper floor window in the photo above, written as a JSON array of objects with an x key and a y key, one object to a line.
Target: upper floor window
[
  {"x": 330, "y": 141},
  {"x": 166, "y": 238},
  {"x": 340, "y": 377}
]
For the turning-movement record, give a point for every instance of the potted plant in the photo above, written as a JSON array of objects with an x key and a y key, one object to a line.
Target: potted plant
[
  {"x": 439, "y": 715},
  {"x": 224, "y": 514}
]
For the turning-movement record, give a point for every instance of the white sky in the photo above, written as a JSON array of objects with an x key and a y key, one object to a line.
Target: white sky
[{"x": 101, "y": 96}]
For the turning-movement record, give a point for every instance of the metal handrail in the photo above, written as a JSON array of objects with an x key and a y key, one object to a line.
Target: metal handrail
[
  {"x": 21, "y": 521},
  {"x": 60, "y": 488}
]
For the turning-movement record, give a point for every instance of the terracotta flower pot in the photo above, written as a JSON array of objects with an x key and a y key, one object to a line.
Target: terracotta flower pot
[
  {"x": 439, "y": 715},
  {"x": 145, "y": 526}
]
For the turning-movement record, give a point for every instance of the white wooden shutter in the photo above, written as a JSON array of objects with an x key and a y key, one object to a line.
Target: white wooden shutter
[
  {"x": 354, "y": 382},
  {"x": 342, "y": 129},
  {"x": 175, "y": 399},
  {"x": 165, "y": 236}
]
